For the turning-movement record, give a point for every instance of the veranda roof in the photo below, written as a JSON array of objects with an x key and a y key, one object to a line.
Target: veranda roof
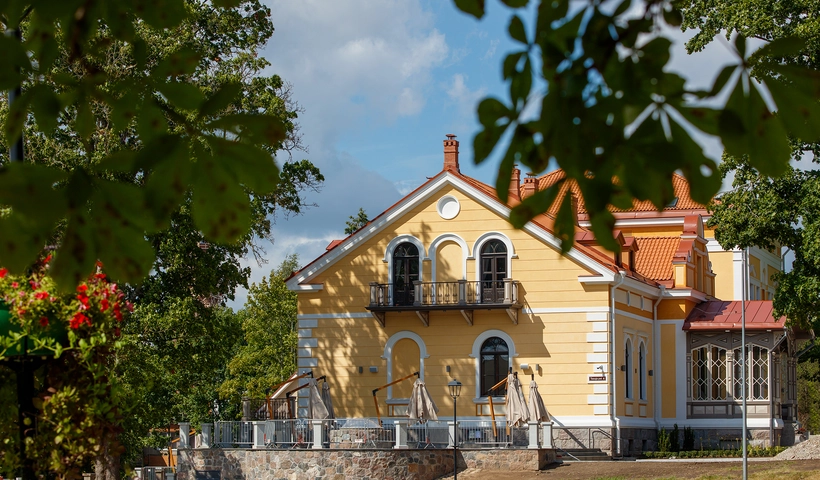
[{"x": 719, "y": 315}]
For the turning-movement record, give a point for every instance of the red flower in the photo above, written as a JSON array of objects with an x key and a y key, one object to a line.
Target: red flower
[
  {"x": 14, "y": 284},
  {"x": 118, "y": 315},
  {"x": 43, "y": 321},
  {"x": 4, "y": 272},
  {"x": 21, "y": 311},
  {"x": 41, "y": 295},
  {"x": 47, "y": 259},
  {"x": 34, "y": 285},
  {"x": 101, "y": 276},
  {"x": 104, "y": 305},
  {"x": 117, "y": 332},
  {"x": 129, "y": 306},
  {"x": 82, "y": 288},
  {"x": 78, "y": 319}
]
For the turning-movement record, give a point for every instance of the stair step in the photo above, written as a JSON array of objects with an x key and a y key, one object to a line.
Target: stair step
[{"x": 583, "y": 455}]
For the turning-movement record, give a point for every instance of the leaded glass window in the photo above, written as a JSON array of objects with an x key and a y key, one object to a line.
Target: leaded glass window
[{"x": 709, "y": 373}]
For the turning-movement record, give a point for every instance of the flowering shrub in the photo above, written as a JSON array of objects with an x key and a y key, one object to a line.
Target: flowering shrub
[{"x": 78, "y": 406}]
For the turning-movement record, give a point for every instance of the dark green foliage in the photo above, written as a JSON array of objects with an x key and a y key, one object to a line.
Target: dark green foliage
[
  {"x": 267, "y": 354},
  {"x": 688, "y": 438},
  {"x": 808, "y": 395},
  {"x": 609, "y": 109},
  {"x": 356, "y": 222},
  {"x": 664, "y": 441},
  {"x": 728, "y": 453},
  {"x": 139, "y": 112},
  {"x": 773, "y": 213},
  {"x": 674, "y": 439}
]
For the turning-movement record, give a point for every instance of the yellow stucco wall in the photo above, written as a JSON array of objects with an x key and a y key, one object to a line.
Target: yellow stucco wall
[
  {"x": 557, "y": 341},
  {"x": 723, "y": 266},
  {"x": 668, "y": 376},
  {"x": 636, "y": 331}
]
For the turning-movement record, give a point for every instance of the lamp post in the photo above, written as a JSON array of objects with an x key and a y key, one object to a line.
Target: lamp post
[{"x": 455, "y": 391}]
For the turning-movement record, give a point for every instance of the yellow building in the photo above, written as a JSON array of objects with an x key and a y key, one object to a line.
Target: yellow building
[{"x": 620, "y": 344}]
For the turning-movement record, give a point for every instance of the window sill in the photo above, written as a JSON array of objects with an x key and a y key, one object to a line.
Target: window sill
[{"x": 486, "y": 400}]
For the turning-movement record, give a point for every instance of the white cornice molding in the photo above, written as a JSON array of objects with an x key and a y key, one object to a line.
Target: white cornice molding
[
  {"x": 411, "y": 201},
  {"x": 686, "y": 294},
  {"x": 309, "y": 287}
]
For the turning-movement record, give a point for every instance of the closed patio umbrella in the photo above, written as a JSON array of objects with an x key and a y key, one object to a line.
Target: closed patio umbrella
[
  {"x": 538, "y": 412},
  {"x": 327, "y": 400},
  {"x": 316, "y": 407},
  {"x": 422, "y": 407},
  {"x": 517, "y": 414}
]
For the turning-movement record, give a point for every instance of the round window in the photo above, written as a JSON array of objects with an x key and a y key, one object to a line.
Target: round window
[{"x": 448, "y": 207}]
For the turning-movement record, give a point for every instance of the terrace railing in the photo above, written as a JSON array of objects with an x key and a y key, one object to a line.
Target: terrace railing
[
  {"x": 463, "y": 295},
  {"x": 368, "y": 434}
]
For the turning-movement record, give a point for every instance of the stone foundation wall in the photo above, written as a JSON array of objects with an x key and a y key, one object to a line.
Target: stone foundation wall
[{"x": 359, "y": 464}]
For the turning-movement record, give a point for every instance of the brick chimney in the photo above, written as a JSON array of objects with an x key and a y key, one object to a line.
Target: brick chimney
[
  {"x": 451, "y": 153},
  {"x": 515, "y": 183},
  {"x": 530, "y": 185}
]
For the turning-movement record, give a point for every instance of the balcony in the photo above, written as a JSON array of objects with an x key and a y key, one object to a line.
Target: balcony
[{"x": 461, "y": 295}]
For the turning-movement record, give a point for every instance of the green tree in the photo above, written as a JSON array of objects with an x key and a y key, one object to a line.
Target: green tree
[
  {"x": 808, "y": 394},
  {"x": 172, "y": 102},
  {"x": 771, "y": 213},
  {"x": 356, "y": 222},
  {"x": 129, "y": 111},
  {"x": 610, "y": 114},
  {"x": 268, "y": 353}
]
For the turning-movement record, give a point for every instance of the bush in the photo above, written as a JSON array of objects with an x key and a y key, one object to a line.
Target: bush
[
  {"x": 734, "y": 453},
  {"x": 674, "y": 441},
  {"x": 688, "y": 438},
  {"x": 664, "y": 444}
]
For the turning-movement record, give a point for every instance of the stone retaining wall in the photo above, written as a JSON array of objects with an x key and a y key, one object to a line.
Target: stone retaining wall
[{"x": 358, "y": 464}]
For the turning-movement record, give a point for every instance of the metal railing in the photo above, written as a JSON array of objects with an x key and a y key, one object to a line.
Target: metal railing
[
  {"x": 233, "y": 434},
  {"x": 369, "y": 434},
  {"x": 456, "y": 293},
  {"x": 291, "y": 433},
  {"x": 481, "y": 434},
  {"x": 360, "y": 433},
  {"x": 272, "y": 408},
  {"x": 432, "y": 434},
  {"x": 154, "y": 473}
]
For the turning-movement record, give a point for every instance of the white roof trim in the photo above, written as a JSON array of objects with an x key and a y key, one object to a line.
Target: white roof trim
[
  {"x": 310, "y": 287},
  {"x": 411, "y": 201},
  {"x": 686, "y": 293}
]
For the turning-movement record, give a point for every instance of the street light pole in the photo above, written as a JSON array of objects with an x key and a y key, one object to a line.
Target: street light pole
[{"x": 455, "y": 391}]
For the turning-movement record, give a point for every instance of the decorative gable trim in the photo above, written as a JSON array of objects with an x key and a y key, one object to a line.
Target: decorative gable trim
[{"x": 420, "y": 195}]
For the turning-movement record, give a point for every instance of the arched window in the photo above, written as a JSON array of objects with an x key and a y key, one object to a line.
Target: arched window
[
  {"x": 628, "y": 364},
  {"x": 405, "y": 272},
  {"x": 495, "y": 363},
  {"x": 642, "y": 371},
  {"x": 493, "y": 271}
]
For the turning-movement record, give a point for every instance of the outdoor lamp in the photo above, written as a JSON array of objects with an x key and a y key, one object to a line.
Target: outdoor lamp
[
  {"x": 455, "y": 388},
  {"x": 455, "y": 391}
]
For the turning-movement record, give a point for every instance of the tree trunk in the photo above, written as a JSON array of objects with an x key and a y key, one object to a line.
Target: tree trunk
[{"x": 107, "y": 463}]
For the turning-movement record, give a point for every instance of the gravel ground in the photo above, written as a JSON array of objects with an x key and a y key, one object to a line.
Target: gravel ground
[{"x": 808, "y": 450}]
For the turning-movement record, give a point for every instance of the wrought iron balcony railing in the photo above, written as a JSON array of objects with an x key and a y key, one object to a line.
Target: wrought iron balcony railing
[{"x": 463, "y": 295}]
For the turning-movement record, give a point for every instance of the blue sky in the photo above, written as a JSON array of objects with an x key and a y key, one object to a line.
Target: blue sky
[{"x": 381, "y": 83}]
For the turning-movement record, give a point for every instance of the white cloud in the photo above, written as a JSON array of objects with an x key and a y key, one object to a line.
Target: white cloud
[{"x": 491, "y": 50}]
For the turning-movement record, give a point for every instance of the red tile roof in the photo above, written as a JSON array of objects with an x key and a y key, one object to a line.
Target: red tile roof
[
  {"x": 654, "y": 256},
  {"x": 717, "y": 315},
  {"x": 679, "y": 185}
]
